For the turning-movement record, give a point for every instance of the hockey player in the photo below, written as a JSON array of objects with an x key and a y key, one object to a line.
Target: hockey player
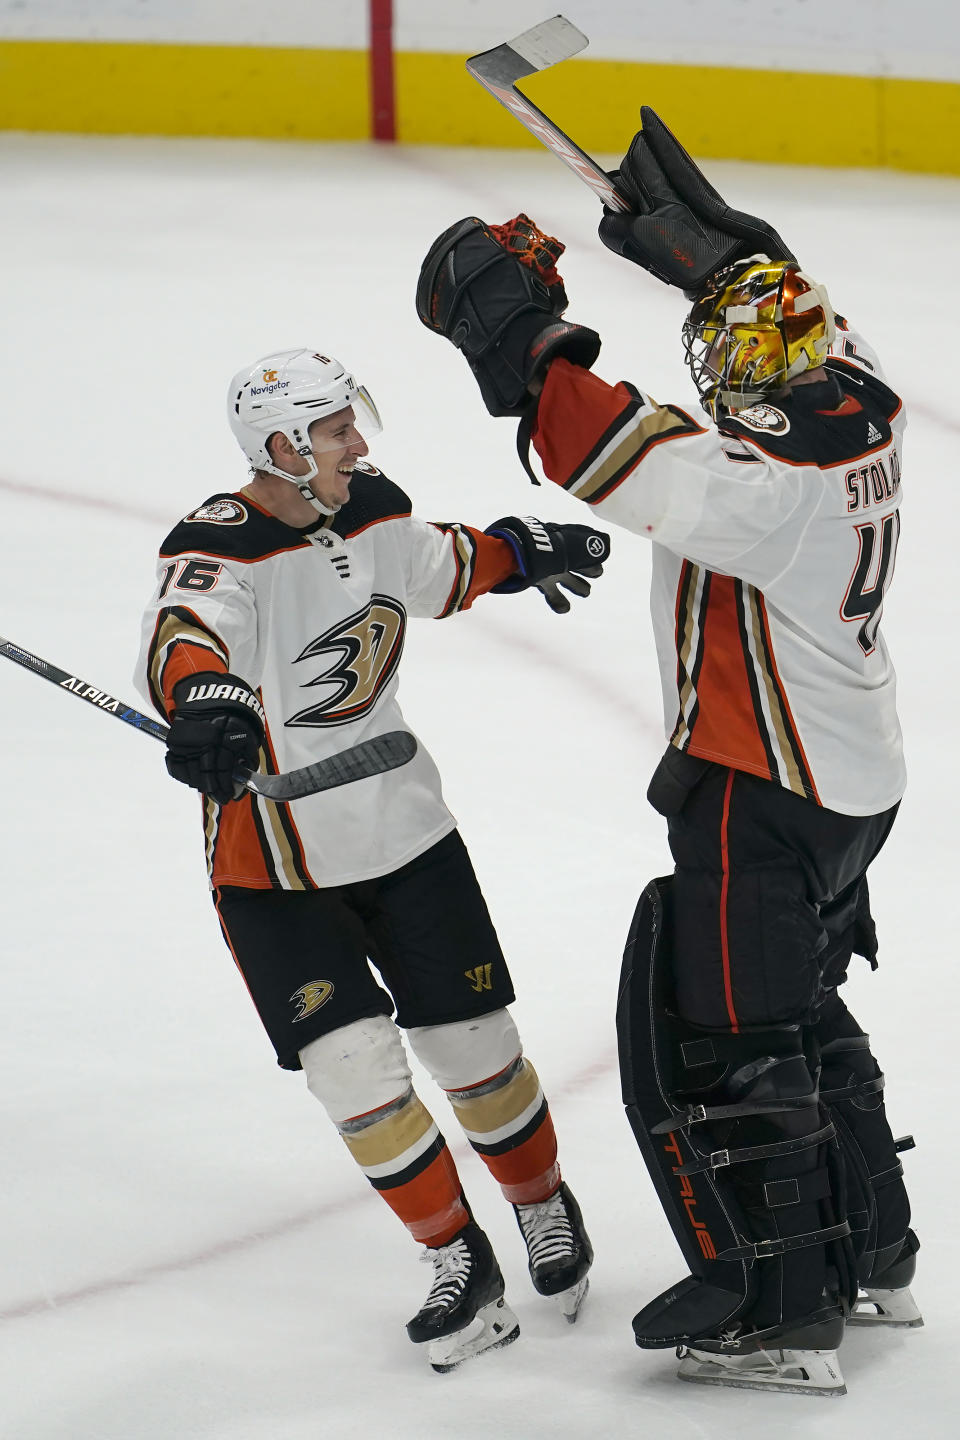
[
  {"x": 273, "y": 640},
  {"x": 752, "y": 1090}
]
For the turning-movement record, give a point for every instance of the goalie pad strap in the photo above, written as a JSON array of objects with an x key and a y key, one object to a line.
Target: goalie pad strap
[
  {"x": 849, "y": 1092},
  {"x": 886, "y": 1177},
  {"x": 696, "y": 1114},
  {"x": 720, "y": 1158},
  {"x": 858, "y": 1045},
  {"x": 768, "y": 1249}
]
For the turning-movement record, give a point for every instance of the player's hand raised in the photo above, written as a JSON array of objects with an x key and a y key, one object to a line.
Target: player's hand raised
[{"x": 493, "y": 291}]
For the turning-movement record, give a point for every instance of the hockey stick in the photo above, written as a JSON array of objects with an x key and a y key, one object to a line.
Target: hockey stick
[
  {"x": 543, "y": 45},
  {"x": 370, "y": 757}
]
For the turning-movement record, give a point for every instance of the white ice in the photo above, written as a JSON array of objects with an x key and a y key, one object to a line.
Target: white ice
[{"x": 186, "y": 1250}]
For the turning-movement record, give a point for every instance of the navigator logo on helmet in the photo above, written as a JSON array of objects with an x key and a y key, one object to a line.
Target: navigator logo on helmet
[
  {"x": 759, "y": 325},
  {"x": 286, "y": 392}
]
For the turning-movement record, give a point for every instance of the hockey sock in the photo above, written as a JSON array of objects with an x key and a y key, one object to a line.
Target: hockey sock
[
  {"x": 508, "y": 1123},
  {"x": 402, "y": 1153}
]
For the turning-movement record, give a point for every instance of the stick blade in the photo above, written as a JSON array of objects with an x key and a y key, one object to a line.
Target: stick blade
[
  {"x": 498, "y": 71},
  {"x": 538, "y": 48},
  {"x": 360, "y": 762},
  {"x": 549, "y": 42}
]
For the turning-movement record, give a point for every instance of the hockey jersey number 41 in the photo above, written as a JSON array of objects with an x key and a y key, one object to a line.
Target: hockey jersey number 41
[{"x": 774, "y": 541}]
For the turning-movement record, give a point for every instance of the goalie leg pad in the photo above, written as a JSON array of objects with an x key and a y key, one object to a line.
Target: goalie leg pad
[
  {"x": 741, "y": 1157},
  {"x": 851, "y": 1086}
]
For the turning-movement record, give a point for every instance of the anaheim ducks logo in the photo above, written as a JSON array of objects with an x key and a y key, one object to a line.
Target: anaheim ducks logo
[
  {"x": 220, "y": 512},
  {"x": 364, "y": 651},
  {"x": 310, "y": 997},
  {"x": 763, "y": 417}
]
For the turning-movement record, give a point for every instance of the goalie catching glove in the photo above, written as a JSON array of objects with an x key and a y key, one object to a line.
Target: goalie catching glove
[
  {"x": 680, "y": 230},
  {"x": 549, "y": 556},
  {"x": 494, "y": 292},
  {"x": 216, "y": 730}
]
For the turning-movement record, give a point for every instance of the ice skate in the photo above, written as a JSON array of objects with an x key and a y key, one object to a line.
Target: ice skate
[
  {"x": 558, "y": 1249},
  {"x": 493, "y": 1326},
  {"x": 796, "y": 1372},
  {"x": 798, "y": 1359},
  {"x": 464, "y": 1312},
  {"x": 886, "y": 1299},
  {"x": 895, "y": 1308}
]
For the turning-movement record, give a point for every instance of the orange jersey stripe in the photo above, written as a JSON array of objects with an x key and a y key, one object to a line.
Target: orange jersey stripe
[
  {"x": 238, "y": 854},
  {"x": 567, "y": 427},
  {"x": 187, "y": 659},
  {"x": 494, "y": 562},
  {"x": 726, "y": 724}
]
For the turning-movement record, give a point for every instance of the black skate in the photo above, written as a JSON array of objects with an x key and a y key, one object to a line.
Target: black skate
[
  {"x": 558, "y": 1249},
  {"x": 885, "y": 1299},
  {"x": 800, "y": 1361},
  {"x": 465, "y": 1312}
]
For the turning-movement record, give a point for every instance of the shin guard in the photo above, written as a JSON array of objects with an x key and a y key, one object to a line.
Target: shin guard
[{"x": 742, "y": 1160}]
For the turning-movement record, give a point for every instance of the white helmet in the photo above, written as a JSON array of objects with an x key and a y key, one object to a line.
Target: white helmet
[{"x": 286, "y": 392}]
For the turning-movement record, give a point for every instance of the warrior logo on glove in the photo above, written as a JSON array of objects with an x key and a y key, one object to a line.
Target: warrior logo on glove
[{"x": 552, "y": 555}]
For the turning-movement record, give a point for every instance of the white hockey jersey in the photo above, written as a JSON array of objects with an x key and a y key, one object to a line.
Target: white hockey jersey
[
  {"x": 316, "y": 625},
  {"x": 774, "y": 542}
]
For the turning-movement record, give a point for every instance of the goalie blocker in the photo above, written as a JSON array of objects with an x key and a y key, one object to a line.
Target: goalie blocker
[{"x": 749, "y": 1168}]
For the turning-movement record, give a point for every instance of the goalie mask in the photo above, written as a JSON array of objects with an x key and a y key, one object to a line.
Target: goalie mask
[
  {"x": 759, "y": 325},
  {"x": 286, "y": 392}
]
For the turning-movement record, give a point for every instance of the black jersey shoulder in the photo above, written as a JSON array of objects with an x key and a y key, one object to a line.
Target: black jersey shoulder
[
  {"x": 372, "y": 498},
  {"x": 847, "y": 415},
  {"x": 229, "y": 526}
]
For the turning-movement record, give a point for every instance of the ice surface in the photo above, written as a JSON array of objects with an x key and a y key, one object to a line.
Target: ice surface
[{"x": 186, "y": 1250}]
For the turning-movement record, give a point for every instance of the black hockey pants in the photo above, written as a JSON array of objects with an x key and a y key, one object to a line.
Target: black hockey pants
[{"x": 770, "y": 901}]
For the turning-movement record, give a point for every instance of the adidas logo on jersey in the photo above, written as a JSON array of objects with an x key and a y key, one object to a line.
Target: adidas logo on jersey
[{"x": 874, "y": 436}]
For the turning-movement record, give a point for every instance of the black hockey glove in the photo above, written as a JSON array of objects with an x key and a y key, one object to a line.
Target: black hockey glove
[
  {"x": 216, "y": 730},
  {"x": 493, "y": 291},
  {"x": 551, "y": 555},
  {"x": 681, "y": 230}
]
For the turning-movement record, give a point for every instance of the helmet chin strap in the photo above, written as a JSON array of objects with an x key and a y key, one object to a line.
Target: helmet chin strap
[
  {"x": 304, "y": 487},
  {"x": 302, "y": 482}
]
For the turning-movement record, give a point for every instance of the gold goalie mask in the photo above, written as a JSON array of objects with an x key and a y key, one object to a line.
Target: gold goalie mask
[{"x": 759, "y": 325}]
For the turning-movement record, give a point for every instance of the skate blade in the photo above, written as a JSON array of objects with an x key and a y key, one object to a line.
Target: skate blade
[
  {"x": 896, "y": 1309},
  {"x": 795, "y": 1372},
  {"x": 569, "y": 1301},
  {"x": 493, "y": 1326}
]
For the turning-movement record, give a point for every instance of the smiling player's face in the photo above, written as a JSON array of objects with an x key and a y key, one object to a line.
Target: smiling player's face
[{"x": 337, "y": 445}]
